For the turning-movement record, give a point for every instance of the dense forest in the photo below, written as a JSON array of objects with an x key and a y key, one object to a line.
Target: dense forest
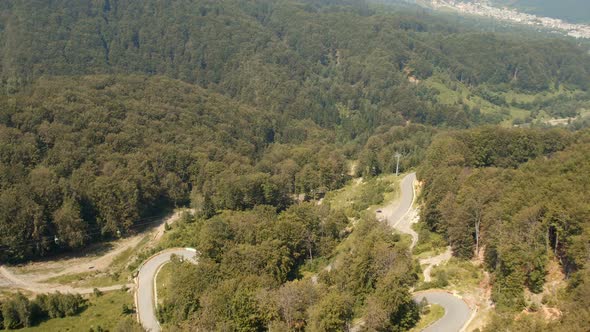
[
  {"x": 298, "y": 58},
  {"x": 94, "y": 156},
  {"x": 293, "y": 90},
  {"x": 523, "y": 197},
  {"x": 248, "y": 276},
  {"x": 115, "y": 111}
]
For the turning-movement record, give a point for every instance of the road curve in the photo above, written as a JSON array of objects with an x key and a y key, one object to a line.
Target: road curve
[
  {"x": 145, "y": 293},
  {"x": 399, "y": 214},
  {"x": 457, "y": 312},
  {"x": 37, "y": 281}
]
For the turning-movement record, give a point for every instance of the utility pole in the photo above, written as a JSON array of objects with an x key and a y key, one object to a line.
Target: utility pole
[{"x": 397, "y": 155}]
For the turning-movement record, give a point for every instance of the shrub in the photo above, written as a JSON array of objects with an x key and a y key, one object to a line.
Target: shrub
[
  {"x": 17, "y": 312},
  {"x": 1, "y": 318},
  {"x": 97, "y": 292},
  {"x": 424, "y": 306},
  {"x": 126, "y": 310},
  {"x": 442, "y": 278},
  {"x": 60, "y": 305},
  {"x": 128, "y": 325},
  {"x": 534, "y": 306}
]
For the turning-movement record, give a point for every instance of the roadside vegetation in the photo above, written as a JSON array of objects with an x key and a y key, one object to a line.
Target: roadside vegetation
[
  {"x": 361, "y": 195},
  {"x": 456, "y": 274},
  {"x": 429, "y": 243},
  {"x": 430, "y": 313},
  {"x": 329, "y": 294}
]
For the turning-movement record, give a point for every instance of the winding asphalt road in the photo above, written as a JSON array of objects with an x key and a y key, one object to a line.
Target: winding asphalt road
[
  {"x": 457, "y": 312},
  {"x": 145, "y": 293},
  {"x": 406, "y": 201},
  {"x": 399, "y": 217},
  {"x": 36, "y": 280}
]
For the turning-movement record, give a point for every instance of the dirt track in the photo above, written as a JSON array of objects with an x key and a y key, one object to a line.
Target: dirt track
[
  {"x": 434, "y": 261},
  {"x": 31, "y": 276}
]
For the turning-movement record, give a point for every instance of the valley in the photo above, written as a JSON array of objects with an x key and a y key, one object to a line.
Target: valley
[{"x": 232, "y": 165}]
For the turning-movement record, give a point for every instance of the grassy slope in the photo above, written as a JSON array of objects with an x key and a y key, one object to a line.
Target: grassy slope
[
  {"x": 104, "y": 311},
  {"x": 461, "y": 274},
  {"x": 358, "y": 196},
  {"x": 163, "y": 281},
  {"x": 449, "y": 96},
  {"x": 435, "y": 313},
  {"x": 429, "y": 243}
]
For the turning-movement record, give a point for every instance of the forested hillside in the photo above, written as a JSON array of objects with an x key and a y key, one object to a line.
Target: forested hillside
[
  {"x": 298, "y": 58},
  {"x": 520, "y": 198},
  {"x": 248, "y": 276},
  {"x": 92, "y": 156},
  {"x": 115, "y": 111},
  {"x": 305, "y": 84}
]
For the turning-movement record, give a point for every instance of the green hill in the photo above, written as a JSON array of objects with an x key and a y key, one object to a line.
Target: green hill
[
  {"x": 112, "y": 111},
  {"x": 292, "y": 72}
]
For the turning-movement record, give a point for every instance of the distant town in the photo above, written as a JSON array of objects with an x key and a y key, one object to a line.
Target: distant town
[{"x": 483, "y": 8}]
